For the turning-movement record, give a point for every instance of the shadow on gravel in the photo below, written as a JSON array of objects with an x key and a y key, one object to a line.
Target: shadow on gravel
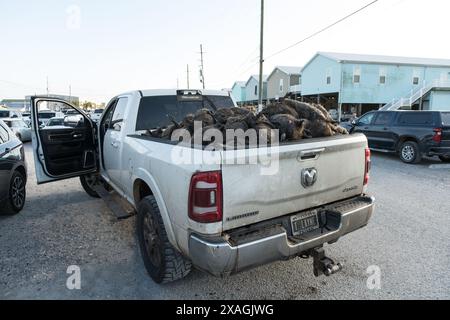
[{"x": 394, "y": 157}]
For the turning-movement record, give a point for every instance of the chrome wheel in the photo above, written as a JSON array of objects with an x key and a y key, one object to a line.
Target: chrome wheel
[
  {"x": 408, "y": 153},
  {"x": 18, "y": 192},
  {"x": 152, "y": 240}
]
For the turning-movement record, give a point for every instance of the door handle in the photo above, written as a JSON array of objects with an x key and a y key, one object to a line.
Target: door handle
[
  {"x": 76, "y": 136},
  {"x": 115, "y": 144}
]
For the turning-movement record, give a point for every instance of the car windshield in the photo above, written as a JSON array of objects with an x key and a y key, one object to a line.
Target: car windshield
[
  {"x": 157, "y": 111},
  {"x": 4, "y": 114}
]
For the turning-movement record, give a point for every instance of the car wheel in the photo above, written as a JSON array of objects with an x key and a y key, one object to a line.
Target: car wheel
[
  {"x": 163, "y": 262},
  {"x": 445, "y": 159},
  {"x": 410, "y": 153},
  {"x": 17, "y": 194},
  {"x": 88, "y": 182}
]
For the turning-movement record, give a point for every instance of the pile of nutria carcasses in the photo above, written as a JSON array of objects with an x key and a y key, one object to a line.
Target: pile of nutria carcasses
[{"x": 294, "y": 121}]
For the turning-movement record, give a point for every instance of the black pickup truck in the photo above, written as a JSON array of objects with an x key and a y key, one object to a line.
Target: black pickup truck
[{"x": 411, "y": 134}]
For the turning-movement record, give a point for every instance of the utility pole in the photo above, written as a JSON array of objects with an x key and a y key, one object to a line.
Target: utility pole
[
  {"x": 70, "y": 92},
  {"x": 202, "y": 67},
  {"x": 261, "y": 60},
  {"x": 188, "y": 77},
  {"x": 178, "y": 83},
  {"x": 47, "y": 87}
]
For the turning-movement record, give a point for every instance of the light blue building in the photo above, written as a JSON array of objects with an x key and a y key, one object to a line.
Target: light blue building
[
  {"x": 252, "y": 89},
  {"x": 238, "y": 91},
  {"x": 360, "y": 83}
]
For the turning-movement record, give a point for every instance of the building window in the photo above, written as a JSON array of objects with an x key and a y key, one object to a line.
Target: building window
[
  {"x": 328, "y": 76},
  {"x": 281, "y": 85},
  {"x": 357, "y": 75},
  {"x": 415, "y": 80},
  {"x": 256, "y": 90},
  {"x": 382, "y": 79}
]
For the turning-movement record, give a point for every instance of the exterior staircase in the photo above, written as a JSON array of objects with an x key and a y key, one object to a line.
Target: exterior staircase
[{"x": 415, "y": 95}]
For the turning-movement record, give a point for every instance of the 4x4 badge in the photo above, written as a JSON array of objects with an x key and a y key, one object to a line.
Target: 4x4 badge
[{"x": 309, "y": 177}]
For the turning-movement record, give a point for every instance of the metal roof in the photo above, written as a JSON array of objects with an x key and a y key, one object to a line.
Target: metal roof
[
  {"x": 366, "y": 58},
  {"x": 256, "y": 77},
  {"x": 290, "y": 70},
  {"x": 239, "y": 83}
]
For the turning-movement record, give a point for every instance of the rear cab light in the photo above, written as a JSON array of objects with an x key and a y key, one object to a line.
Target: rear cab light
[
  {"x": 437, "y": 135},
  {"x": 205, "y": 197},
  {"x": 368, "y": 164}
]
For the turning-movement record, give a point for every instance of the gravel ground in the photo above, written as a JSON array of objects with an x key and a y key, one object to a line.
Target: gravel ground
[{"x": 408, "y": 239}]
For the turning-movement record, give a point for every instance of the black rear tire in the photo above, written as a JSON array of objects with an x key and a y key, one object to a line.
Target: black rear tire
[
  {"x": 445, "y": 159},
  {"x": 163, "y": 262},
  {"x": 410, "y": 152},
  {"x": 17, "y": 194},
  {"x": 88, "y": 183}
]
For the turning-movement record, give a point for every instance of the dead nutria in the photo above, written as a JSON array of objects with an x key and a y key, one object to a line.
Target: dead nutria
[
  {"x": 306, "y": 111},
  {"x": 222, "y": 115},
  {"x": 156, "y": 133},
  {"x": 265, "y": 130},
  {"x": 240, "y": 111},
  {"x": 188, "y": 123},
  {"x": 290, "y": 127},
  {"x": 236, "y": 123},
  {"x": 279, "y": 108},
  {"x": 318, "y": 129},
  {"x": 205, "y": 116},
  {"x": 167, "y": 133},
  {"x": 339, "y": 130},
  {"x": 324, "y": 112}
]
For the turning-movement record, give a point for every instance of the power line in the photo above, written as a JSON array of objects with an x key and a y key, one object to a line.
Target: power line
[{"x": 324, "y": 29}]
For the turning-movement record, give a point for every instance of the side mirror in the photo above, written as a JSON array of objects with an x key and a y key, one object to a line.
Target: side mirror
[{"x": 354, "y": 123}]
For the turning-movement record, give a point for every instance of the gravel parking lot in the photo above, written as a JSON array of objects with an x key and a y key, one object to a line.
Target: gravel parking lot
[{"x": 408, "y": 239}]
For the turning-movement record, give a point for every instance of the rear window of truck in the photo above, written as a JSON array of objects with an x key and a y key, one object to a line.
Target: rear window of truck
[
  {"x": 157, "y": 111},
  {"x": 416, "y": 118}
]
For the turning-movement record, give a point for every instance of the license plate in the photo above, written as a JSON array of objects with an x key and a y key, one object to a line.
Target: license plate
[{"x": 305, "y": 222}]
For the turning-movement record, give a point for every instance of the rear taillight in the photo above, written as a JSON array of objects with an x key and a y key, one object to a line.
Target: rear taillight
[
  {"x": 367, "y": 170},
  {"x": 205, "y": 197},
  {"x": 437, "y": 135}
]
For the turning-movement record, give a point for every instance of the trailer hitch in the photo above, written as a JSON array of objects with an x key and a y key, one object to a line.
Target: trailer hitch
[{"x": 323, "y": 264}]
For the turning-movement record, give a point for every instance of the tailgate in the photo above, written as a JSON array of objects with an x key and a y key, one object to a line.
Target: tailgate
[{"x": 250, "y": 197}]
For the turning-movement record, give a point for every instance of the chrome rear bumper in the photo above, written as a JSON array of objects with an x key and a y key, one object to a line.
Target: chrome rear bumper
[{"x": 221, "y": 257}]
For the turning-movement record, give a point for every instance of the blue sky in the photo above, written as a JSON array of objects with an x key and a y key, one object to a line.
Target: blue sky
[{"x": 125, "y": 45}]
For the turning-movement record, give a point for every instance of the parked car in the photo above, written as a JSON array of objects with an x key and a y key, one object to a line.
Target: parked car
[
  {"x": 19, "y": 128},
  {"x": 56, "y": 121},
  {"x": 13, "y": 172},
  {"x": 9, "y": 114},
  {"x": 96, "y": 115},
  {"x": 217, "y": 216},
  {"x": 411, "y": 134},
  {"x": 26, "y": 117},
  {"x": 45, "y": 116}
]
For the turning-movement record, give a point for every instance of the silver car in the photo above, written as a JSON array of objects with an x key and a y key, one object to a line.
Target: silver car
[{"x": 19, "y": 128}]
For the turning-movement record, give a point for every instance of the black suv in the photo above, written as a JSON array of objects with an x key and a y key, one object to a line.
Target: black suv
[
  {"x": 411, "y": 134},
  {"x": 13, "y": 172}
]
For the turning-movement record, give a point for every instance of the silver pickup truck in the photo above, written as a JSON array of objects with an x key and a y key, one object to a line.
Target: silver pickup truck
[{"x": 220, "y": 216}]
